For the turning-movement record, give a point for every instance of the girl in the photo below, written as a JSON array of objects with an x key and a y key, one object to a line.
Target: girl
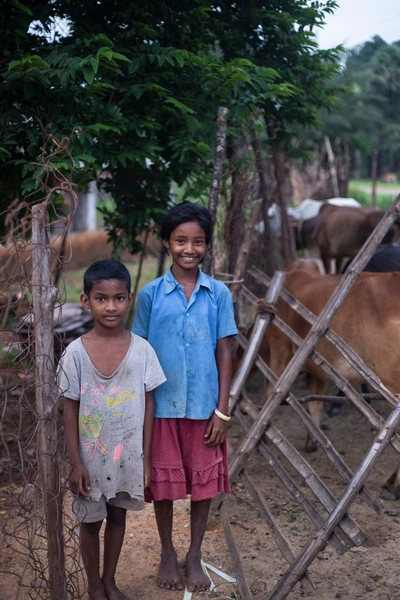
[{"x": 187, "y": 317}]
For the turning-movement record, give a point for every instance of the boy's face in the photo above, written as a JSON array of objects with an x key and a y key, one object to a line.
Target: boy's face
[{"x": 109, "y": 301}]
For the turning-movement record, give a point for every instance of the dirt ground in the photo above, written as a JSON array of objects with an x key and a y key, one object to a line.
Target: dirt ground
[{"x": 366, "y": 572}]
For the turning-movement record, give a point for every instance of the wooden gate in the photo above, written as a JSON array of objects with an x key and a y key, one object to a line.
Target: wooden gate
[{"x": 258, "y": 429}]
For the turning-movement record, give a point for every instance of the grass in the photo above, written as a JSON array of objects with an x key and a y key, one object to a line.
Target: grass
[{"x": 358, "y": 191}]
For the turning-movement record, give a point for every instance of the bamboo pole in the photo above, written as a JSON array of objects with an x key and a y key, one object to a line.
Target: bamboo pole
[
  {"x": 318, "y": 542},
  {"x": 374, "y": 171},
  {"x": 319, "y": 489},
  {"x": 346, "y": 351},
  {"x": 335, "y": 458},
  {"x": 44, "y": 297},
  {"x": 279, "y": 537},
  {"x": 290, "y": 373},
  {"x": 259, "y": 329},
  {"x": 244, "y": 588},
  {"x": 307, "y": 505}
]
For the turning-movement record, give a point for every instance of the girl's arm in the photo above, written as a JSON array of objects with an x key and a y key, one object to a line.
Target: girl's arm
[
  {"x": 217, "y": 427},
  {"x": 147, "y": 435},
  {"x": 79, "y": 480}
]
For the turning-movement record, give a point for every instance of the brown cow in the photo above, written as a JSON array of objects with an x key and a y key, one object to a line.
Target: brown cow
[
  {"x": 368, "y": 321},
  {"x": 341, "y": 231}
]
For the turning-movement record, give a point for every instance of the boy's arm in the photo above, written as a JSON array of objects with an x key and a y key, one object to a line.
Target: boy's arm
[
  {"x": 79, "y": 480},
  {"x": 217, "y": 427},
  {"x": 147, "y": 436}
]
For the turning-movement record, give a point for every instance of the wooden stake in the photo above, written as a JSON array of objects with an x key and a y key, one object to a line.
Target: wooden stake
[{"x": 44, "y": 297}]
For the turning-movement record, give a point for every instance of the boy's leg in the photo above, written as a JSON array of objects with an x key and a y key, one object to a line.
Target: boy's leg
[
  {"x": 90, "y": 549},
  {"x": 113, "y": 537},
  {"x": 168, "y": 575},
  {"x": 197, "y": 580}
]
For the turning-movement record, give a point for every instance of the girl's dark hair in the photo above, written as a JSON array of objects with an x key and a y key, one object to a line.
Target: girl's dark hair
[
  {"x": 185, "y": 213},
  {"x": 105, "y": 269}
]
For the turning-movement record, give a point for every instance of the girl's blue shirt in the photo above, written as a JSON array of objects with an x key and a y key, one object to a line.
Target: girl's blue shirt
[{"x": 184, "y": 335}]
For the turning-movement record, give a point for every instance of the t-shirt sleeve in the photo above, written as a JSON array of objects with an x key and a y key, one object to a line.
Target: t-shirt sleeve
[
  {"x": 154, "y": 375},
  {"x": 68, "y": 375},
  {"x": 226, "y": 325},
  {"x": 142, "y": 314}
]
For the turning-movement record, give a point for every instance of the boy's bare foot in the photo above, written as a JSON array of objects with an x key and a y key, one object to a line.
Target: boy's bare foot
[
  {"x": 97, "y": 593},
  {"x": 197, "y": 580},
  {"x": 113, "y": 593},
  {"x": 168, "y": 574}
]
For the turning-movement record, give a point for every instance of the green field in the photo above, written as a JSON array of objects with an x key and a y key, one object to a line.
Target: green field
[{"x": 361, "y": 190}]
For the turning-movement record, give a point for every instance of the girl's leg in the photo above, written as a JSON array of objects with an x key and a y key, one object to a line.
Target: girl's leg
[
  {"x": 197, "y": 580},
  {"x": 168, "y": 575},
  {"x": 90, "y": 549},
  {"x": 113, "y": 537}
]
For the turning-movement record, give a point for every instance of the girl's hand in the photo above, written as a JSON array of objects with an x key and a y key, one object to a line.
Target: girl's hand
[
  {"x": 79, "y": 481},
  {"x": 216, "y": 431},
  {"x": 147, "y": 473}
]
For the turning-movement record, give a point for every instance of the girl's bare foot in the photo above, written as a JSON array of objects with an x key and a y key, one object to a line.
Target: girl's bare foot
[
  {"x": 168, "y": 574},
  {"x": 197, "y": 580}
]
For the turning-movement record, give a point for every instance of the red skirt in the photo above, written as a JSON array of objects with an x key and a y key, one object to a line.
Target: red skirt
[{"x": 182, "y": 464}]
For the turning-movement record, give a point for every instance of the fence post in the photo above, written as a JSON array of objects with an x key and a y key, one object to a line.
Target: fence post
[{"x": 44, "y": 298}]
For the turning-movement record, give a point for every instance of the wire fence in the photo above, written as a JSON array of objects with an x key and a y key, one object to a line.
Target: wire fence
[{"x": 39, "y": 548}]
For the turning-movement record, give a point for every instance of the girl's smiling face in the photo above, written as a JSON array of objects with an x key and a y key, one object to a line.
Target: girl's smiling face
[{"x": 187, "y": 245}]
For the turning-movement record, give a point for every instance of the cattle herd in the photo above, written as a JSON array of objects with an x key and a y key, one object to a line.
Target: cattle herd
[{"x": 369, "y": 317}]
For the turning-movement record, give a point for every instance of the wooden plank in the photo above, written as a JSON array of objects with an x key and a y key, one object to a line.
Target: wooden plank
[
  {"x": 237, "y": 564},
  {"x": 280, "y": 540},
  {"x": 306, "y": 504}
]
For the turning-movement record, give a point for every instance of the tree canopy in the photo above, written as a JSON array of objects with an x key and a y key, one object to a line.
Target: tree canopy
[
  {"x": 370, "y": 113},
  {"x": 136, "y": 87}
]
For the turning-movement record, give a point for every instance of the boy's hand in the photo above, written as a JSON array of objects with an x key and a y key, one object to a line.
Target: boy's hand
[
  {"x": 79, "y": 481},
  {"x": 147, "y": 473},
  {"x": 216, "y": 431}
]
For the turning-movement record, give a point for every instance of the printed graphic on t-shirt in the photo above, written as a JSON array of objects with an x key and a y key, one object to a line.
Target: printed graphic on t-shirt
[{"x": 103, "y": 406}]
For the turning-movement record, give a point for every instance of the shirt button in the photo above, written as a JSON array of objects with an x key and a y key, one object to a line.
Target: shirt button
[
  {"x": 187, "y": 314},
  {"x": 187, "y": 345}
]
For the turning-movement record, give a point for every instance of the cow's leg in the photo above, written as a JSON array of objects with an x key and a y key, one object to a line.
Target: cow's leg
[
  {"x": 327, "y": 262},
  {"x": 315, "y": 409},
  {"x": 392, "y": 491},
  {"x": 338, "y": 264}
]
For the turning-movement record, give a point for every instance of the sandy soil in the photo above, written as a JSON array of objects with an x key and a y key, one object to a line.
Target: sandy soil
[{"x": 370, "y": 571}]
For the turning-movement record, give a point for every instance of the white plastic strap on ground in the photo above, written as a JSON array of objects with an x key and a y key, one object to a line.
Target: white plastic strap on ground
[{"x": 188, "y": 595}]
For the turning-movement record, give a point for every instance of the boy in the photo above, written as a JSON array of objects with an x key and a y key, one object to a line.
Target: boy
[{"x": 107, "y": 377}]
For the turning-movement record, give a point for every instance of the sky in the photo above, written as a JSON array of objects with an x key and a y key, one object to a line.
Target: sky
[{"x": 356, "y": 21}]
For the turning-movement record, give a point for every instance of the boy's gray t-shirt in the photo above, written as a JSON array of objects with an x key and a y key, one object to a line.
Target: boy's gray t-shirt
[{"x": 111, "y": 415}]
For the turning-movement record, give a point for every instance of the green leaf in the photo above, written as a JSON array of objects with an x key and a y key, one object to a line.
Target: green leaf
[{"x": 88, "y": 74}]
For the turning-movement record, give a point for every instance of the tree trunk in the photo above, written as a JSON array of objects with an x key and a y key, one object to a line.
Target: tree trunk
[
  {"x": 219, "y": 159},
  {"x": 235, "y": 213},
  {"x": 282, "y": 178}
]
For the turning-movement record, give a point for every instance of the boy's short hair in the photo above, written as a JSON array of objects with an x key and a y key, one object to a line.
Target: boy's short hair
[
  {"x": 184, "y": 213},
  {"x": 105, "y": 269}
]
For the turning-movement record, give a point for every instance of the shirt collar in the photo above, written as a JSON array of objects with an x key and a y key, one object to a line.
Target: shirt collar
[{"x": 170, "y": 282}]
